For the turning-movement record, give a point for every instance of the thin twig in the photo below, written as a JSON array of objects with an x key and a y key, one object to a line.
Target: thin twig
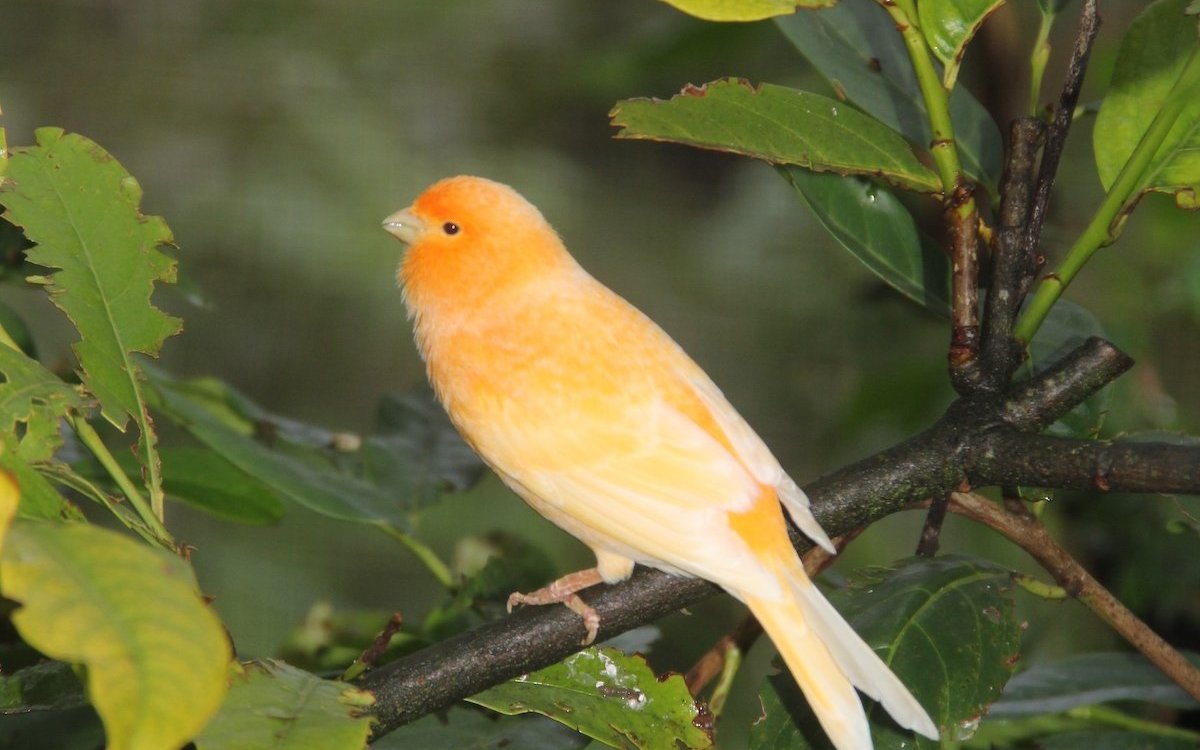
[
  {"x": 931, "y": 532},
  {"x": 962, "y": 220},
  {"x": 1032, "y": 537},
  {"x": 1056, "y": 136},
  {"x": 741, "y": 638}
]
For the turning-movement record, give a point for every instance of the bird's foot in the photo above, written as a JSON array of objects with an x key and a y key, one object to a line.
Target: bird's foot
[{"x": 564, "y": 591}]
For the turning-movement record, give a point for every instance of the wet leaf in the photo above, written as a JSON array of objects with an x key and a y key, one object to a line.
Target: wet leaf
[
  {"x": 875, "y": 227},
  {"x": 609, "y": 696}
]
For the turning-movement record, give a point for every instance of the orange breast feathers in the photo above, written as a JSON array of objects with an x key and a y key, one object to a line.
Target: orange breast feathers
[{"x": 601, "y": 422}]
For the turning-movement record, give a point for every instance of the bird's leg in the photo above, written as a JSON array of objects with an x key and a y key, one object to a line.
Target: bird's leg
[{"x": 564, "y": 591}]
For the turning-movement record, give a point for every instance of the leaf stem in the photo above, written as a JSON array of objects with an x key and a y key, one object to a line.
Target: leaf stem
[
  {"x": 90, "y": 438},
  {"x": 1116, "y": 718},
  {"x": 1106, "y": 223},
  {"x": 1037, "y": 62},
  {"x": 937, "y": 99},
  {"x": 424, "y": 553}
]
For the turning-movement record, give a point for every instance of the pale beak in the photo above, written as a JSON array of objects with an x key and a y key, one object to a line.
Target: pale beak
[{"x": 404, "y": 226}]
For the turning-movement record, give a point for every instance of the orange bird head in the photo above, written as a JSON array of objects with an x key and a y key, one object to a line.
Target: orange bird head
[{"x": 469, "y": 237}]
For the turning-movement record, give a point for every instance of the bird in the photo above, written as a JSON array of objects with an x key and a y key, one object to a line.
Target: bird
[{"x": 593, "y": 415}]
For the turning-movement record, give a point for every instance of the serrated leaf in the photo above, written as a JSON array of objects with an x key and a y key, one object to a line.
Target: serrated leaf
[
  {"x": 467, "y": 729},
  {"x": 875, "y": 227},
  {"x": 743, "y": 10},
  {"x": 949, "y": 25},
  {"x": 33, "y": 401},
  {"x": 273, "y": 705},
  {"x": 945, "y": 626},
  {"x": 854, "y": 45},
  {"x": 1154, "y": 52},
  {"x": 81, "y": 208},
  {"x": 155, "y": 654},
  {"x": 609, "y": 696},
  {"x": 206, "y": 410},
  {"x": 1088, "y": 679},
  {"x": 416, "y": 453},
  {"x": 780, "y": 126}
]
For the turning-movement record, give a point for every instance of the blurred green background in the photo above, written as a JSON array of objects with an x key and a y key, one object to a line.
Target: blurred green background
[{"x": 274, "y": 136}]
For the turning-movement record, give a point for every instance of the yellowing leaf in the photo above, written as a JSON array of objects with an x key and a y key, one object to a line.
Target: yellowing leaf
[
  {"x": 10, "y": 495},
  {"x": 155, "y": 654},
  {"x": 744, "y": 10},
  {"x": 273, "y": 705}
]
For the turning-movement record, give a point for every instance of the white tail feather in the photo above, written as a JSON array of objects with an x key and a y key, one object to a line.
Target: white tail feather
[
  {"x": 824, "y": 685},
  {"x": 859, "y": 661}
]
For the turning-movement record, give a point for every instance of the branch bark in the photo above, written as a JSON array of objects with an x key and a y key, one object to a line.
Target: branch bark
[{"x": 1031, "y": 536}]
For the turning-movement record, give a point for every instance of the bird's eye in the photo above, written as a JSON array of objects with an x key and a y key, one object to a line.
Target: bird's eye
[{"x": 450, "y": 227}]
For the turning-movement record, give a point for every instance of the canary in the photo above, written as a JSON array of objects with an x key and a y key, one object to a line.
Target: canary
[{"x": 600, "y": 421}]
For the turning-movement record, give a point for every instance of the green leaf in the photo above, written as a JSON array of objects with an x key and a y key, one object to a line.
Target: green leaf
[
  {"x": 206, "y": 481},
  {"x": 949, "y": 25},
  {"x": 1113, "y": 740},
  {"x": 743, "y": 10},
  {"x": 1153, "y": 54},
  {"x": 467, "y": 729},
  {"x": 1088, "y": 679},
  {"x": 81, "y": 208},
  {"x": 155, "y": 654},
  {"x": 209, "y": 411},
  {"x": 609, "y": 696},
  {"x": 47, "y": 686},
  {"x": 416, "y": 453},
  {"x": 945, "y": 626},
  {"x": 273, "y": 705},
  {"x": 855, "y": 47},
  {"x": 39, "y": 498},
  {"x": 33, "y": 401},
  {"x": 778, "y": 125},
  {"x": 869, "y": 221}
]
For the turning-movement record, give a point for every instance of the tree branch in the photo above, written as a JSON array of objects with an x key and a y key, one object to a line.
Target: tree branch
[
  {"x": 1032, "y": 537},
  {"x": 1056, "y": 136}
]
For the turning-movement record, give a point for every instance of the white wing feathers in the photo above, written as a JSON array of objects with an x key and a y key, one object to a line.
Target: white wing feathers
[{"x": 758, "y": 458}]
